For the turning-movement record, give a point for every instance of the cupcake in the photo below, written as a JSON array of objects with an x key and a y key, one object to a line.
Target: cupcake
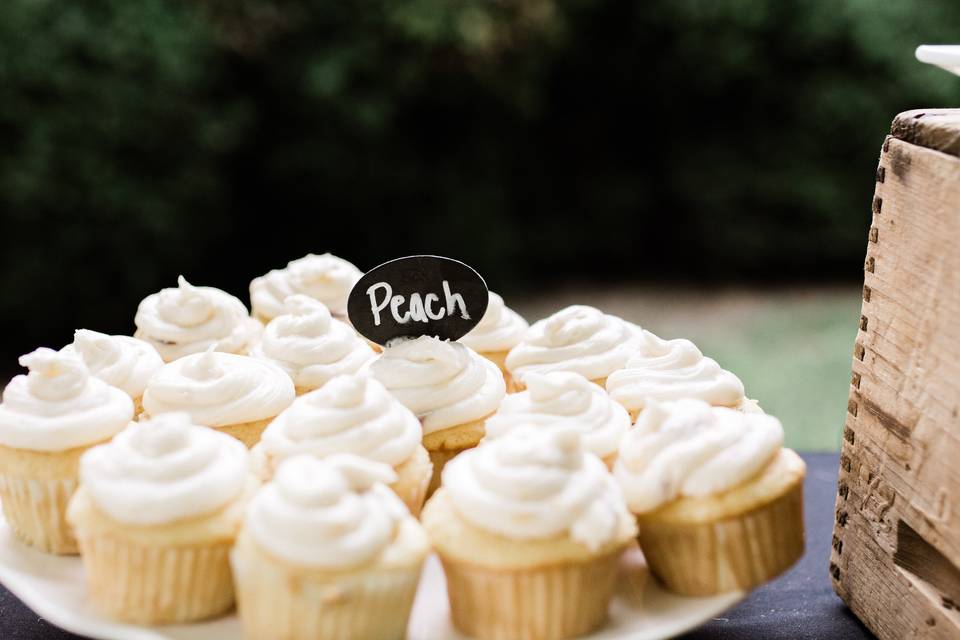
[
  {"x": 356, "y": 415},
  {"x": 578, "y": 339},
  {"x": 530, "y": 529},
  {"x": 156, "y": 514},
  {"x": 237, "y": 395},
  {"x": 500, "y": 330},
  {"x": 664, "y": 370},
  {"x": 450, "y": 388},
  {"x": 326, "y": 278},
  {"x": 189, "y": 319},
  {"x": 311, "y": 346},
  {"x": 48, "y": 418},
  {"x": 120, "y": 361},
  {"x": 718, "y": 501},
  {"x": 564, "y": 400},
  {"x": 328, "y": 551}
]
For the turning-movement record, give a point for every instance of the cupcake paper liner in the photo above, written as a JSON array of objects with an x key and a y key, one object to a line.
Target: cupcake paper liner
[
  {"x": 145, "y": 584},
  {"x": 531, "y": 604},
  {"x": 737, "y": 553},
  {"x": 35, "y": 510},
  {"x": 275, "y": 602}
]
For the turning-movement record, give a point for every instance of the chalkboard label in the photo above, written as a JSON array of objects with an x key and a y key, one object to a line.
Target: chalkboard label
[{"x": 417, "y": 296}]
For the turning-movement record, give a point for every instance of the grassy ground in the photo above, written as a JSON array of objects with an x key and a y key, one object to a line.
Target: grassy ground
[{"x": 791, "y": 347}]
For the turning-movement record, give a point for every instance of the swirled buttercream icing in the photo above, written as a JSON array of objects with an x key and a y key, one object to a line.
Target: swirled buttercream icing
[
  {"x": 500, "y": 328},
  {"x": 332, "y": 513},
  {"x": 664, "y": 370},
  {"x": 445, "y": 384},
  {"x": 310, "y": 345},
  {"x": 561, "y": 400},
  {"x": 578, "y": 339},
  {"x": 164, "y": 470},
  {"x": 219, "y": 389},
  {"x": 326, "y": 278},
  {"x": 188, "y": 319},
  {"x": 120, "y": 361},
  {"x": 688, "y": 448},
  {"x": 534, "y": 484},
  {"x": 58, "y": 405},
  {"x": 351, "y": 414}
]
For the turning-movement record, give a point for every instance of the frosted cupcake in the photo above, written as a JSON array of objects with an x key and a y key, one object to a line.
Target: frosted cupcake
[
  {"x": 530, "y": 529},
  {"x": 561, "y": 400},
  {"x": 356, "y": 415},
  {"x": 449, "y": 387},
  {"x": 189, "y": 319},
  {"x": 237, "y": 395},
  {"x": 328, "y": 551},
  {"x": 48, "y": 418},
  {"x": 326, "y": 278},
  {"x": 578, "y": 339},
  {"x": 120, "y": 361},
  {"x": 718, "y": 501},
  {"x": 664, "y": 370},
  {"x": 310, "y": 345},
  {"x": 156, "y": 514},
  {"x": 500, "y": 330}
]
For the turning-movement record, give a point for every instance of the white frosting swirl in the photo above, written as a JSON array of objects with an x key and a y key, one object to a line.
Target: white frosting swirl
[
  {"x": 564, "y": 400},
  {"x": 666, "y": 370},
  {"x": 500, "y": 328},
  {"x": 351, "y": 414},
  {"x": 311, "y": 346},
  {"x": 579, "y": 339},
  {"x": 444, "y": 383},
  {"x": 219, "y": 389},
  {"x": 120, "y": 361},
  {"x": 326, "y": 278},
  {"x": 331, "y": 513},
  {"x": 163, "y": 470},
  {"x": 688, "y": 448},
  {"x": 536, "y": 484},
  {"x": 59, "y": 405},
  {"x": 188, "y": 319}
]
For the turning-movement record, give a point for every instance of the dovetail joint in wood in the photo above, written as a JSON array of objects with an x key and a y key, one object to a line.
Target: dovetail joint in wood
[
  {"x": 874, "y": 234},
  {"x": 863, "y": 323},
  {"x": 877, "y": 205},
  {"x": 886, "y": 143},
  {"x": 866, "y": 293},
  {"x": 842, "y": 518},
  {"x": 881, "y": 174},
  {"x": 843, "y": 490},
  {"x": 855, "y": 380},
  {"x": 852, "y": 408},
  {"x": 870, "y": 264},
  {"x": 834, "y": 571},
  {"x": 849, "y": 435},
  {"x": 859, "y": 351}
]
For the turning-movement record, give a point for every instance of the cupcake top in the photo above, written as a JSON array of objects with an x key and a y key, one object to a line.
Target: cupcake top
[
  {"x": 310, "y": 345},
  {"x": 444, "y": 383},
  {"x": 120, "y": 361},
  {"x": 578, "y": 339},
  {"x": 332, "y": 513},
  {"x": 59, "y": 405},
  {"x": 326, "y": 278},
  {"x": 564, "y": 400},
  {"x": 665, "y": 370},
  {"x": 688, "y": 448},
  {"x": 351, "y": 414},
  {"x": 219, "y": 389},
  {"x": 537, "y": 484},
  {"x": 164, "y": 470},
  {"x": 500, "y": 328},
  {"x": 188, "y": 319}
]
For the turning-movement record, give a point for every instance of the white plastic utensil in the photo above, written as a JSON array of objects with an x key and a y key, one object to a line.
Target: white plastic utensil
[{"x": 945, "y": 56}]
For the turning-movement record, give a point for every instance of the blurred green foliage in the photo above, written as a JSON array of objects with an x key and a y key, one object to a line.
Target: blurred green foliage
[{"x": 536, "y": 139}]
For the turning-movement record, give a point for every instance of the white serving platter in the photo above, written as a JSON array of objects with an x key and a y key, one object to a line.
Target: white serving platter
[{"x": 54, "y": 588}]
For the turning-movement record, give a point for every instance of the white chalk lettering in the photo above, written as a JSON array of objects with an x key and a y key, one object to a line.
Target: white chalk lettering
[
  {"x": 421, "y": 308},
  {"x": 454, "y": 299},
  {"x": 375, "y": 306},
  {"x": 430, "y": 299}
]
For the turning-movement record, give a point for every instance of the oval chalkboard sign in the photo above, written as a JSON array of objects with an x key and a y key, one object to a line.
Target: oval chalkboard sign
[{"x": 417, "y": 296}]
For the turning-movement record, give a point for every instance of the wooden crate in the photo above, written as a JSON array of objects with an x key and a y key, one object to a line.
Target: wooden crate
[{"x": 896, "y": 544}]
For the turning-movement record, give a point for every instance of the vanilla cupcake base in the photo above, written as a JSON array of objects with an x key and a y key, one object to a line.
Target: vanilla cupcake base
[
  {"x": 35, "y": 488},
  {"x": 499, "y": 358},
  {"x": 280, "y": 601},
  {"x": 734, "y": 541},
  {"x": 746, "y": 405},
  {"x": 446, "y": 444},
  {"x": 413, "y": 480},
  {"x": 246, "y": 432},
  {"x": 519, "y": 386},
  {"x": 160, "y": 574}
]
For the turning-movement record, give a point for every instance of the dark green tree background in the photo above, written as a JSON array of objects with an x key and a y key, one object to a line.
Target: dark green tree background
[{"x": 539, "y": 140}]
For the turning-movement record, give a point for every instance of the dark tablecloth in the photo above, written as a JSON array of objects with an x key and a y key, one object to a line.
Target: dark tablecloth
[{"x": 799, "y": 605}]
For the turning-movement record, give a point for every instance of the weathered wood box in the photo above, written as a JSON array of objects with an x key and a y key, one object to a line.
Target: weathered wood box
[{"x": 896, "y": 544}]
